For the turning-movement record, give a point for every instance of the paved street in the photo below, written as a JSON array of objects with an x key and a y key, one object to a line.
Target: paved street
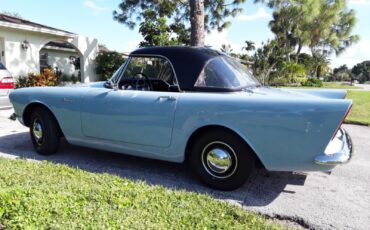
[
  {"x": 316, "y": 200},
  {"x": 364, "y": 86}
]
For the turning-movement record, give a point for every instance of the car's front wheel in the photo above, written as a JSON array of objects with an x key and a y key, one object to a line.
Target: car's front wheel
[
  {"x": 222, "y": 159},
  {"x": 44, "y": 131}
]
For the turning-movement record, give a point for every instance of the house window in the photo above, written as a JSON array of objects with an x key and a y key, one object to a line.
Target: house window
[{"x": 44, "y": 61}]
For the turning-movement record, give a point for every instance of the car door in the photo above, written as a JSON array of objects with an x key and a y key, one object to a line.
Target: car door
[{"x": 134, "y": 115}]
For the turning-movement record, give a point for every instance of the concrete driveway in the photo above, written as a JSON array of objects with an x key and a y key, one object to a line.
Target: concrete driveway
[
  {"x": 315, "y": 201},
  {"x": 4, "y": 102}
]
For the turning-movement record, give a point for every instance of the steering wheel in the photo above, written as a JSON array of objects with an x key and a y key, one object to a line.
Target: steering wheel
[{"x": 147, "y": 85}]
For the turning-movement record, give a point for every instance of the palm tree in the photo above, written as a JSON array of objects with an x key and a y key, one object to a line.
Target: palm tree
[
  {"x": 320, "y": 63},
  {"x": 319, "y": 24},
  {"x": 249, "y": 46},
  {"x": 226, "y": 49}
]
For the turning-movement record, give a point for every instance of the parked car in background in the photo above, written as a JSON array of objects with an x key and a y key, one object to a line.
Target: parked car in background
[
  {"x": 6, "y": 85},
  {"x": 194, "y": 104}
]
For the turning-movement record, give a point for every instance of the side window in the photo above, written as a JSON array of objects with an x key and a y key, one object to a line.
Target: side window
[
  {"x": 225, "y": 72},
  {"x": 154, "y": 69}
]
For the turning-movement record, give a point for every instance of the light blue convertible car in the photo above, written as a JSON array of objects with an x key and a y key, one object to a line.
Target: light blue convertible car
[{"x": 194, "y": 104}]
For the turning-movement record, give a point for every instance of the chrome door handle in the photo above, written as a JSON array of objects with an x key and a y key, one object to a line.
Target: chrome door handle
[
  {"x": 65, "y": 99},
  {"x": 168, "y": 98}
]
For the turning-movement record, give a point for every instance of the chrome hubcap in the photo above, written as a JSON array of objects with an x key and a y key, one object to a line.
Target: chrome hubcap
[
  {"x": 37, "y": 131},
  {"x": 219, "y": 159}
]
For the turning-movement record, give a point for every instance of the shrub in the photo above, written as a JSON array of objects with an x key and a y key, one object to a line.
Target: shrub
[
  {"x": 65, "y": 78},
  {"x": 300, "y": 80},
  {"x": 107, "y": 62},
  {"x": 21, "y": 82},
  {"x": 278, "y": 81},
  {"x": 46, "y": 78},
  {"x": 74, "y": 79},
  {"x": 312, "y": 82}
]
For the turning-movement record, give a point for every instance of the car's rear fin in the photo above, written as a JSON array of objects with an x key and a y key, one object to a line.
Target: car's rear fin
[
  {"x": 340, "y": 124},
  {"x": 324, "y": 93}
]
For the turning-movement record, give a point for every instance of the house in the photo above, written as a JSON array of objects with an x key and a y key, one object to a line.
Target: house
[
  {"x": 60, "y": 56},
  {"x": 27, "y": 47}
]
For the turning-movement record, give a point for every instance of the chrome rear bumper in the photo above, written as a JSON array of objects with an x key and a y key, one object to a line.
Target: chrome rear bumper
[{"x": 338, "y": 151}]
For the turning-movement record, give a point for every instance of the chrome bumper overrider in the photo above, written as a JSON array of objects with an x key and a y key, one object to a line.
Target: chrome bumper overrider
[
  {"x": 13, "y": 117},
  {"x": 339, "y": 150}
]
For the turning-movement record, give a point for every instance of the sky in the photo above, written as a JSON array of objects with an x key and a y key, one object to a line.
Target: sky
[{"x": 93, "y": 18}]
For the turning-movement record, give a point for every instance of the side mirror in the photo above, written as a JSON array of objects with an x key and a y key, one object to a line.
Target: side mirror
[{"x": 112, "y": 85}]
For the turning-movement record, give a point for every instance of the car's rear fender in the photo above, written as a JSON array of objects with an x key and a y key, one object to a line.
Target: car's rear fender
[{"x": 286, "y": 134}]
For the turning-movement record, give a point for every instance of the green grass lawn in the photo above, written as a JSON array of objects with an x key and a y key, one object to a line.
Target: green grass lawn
[
  {"x": 52, "y": 196},
  {"x": 327, "y": 85},
  {"x": 335, "y": 85},
  {"x": 360, "y": 113}
]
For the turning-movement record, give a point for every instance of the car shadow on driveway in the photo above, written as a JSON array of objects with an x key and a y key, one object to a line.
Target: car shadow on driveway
[{"x": 260, "y": 190}]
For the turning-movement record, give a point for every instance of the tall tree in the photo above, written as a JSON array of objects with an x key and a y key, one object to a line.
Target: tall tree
[
  {"x": 197, "y": 22},
  {"x": 226, "y": 49},
  {"x": 157, "y": 32},
  {"x": 331, "y": 29},
  {"x": 342, "y": 68},
  {"x": 361, "y": 71},
  {"x": 322, "y": 25},
  {"x": 292, "y": 71},
  {"x": 12, "y": 14},
  {"x": 342, "y": 73},
  {"x": 266, "y": 59},
  {"x": 202, "y": 15},
  {"x": 249, "y": 46},
  {"x": 320, "y": 63}
]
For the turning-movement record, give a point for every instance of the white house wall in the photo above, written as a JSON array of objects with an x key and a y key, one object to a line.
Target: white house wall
[
  {"x": 18, "y": 61},
  {"x": 89, "y": 50},
  {"x": 60, "y": 59},
  {"x": 21, "y": 62}
]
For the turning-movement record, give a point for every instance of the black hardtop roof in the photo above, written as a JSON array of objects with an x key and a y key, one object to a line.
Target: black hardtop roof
[{"x": 188, "y": 62}]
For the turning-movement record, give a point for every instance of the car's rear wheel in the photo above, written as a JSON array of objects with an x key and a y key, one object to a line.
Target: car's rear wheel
[
  {"x": 44, "y": 131},
  {"x": 222, "y": 159}
]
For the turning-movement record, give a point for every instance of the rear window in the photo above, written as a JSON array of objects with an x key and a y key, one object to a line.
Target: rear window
[
  {"x": 2, "y": 66},
  {"x": 225, "y": 72}
]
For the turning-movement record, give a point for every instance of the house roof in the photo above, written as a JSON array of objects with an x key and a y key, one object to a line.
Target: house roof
[
  {"x": 23, "y": 22},
  {"x": 60, "y": 44}
]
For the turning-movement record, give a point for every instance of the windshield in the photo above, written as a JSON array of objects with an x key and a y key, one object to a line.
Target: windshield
[{"x": 226, "y": 72}]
